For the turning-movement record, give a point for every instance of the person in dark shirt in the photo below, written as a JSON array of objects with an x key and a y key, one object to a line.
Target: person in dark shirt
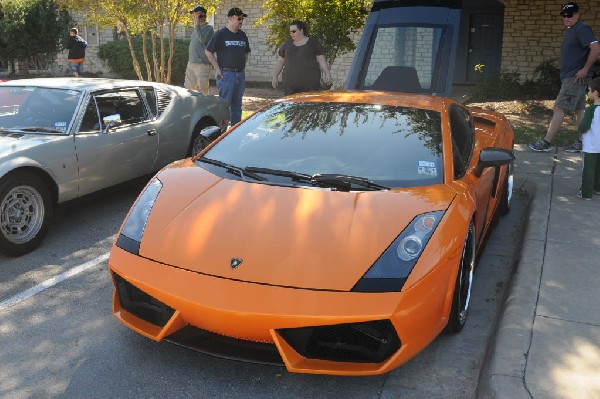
[
  {"x": 231, "y": 47},
  {"x": 578, "y": 52},
  {"x": 76, "y": 57},
  {"x": 302, "y": 60}
]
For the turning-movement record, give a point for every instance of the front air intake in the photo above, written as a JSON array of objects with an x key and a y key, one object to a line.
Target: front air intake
[
  {"x": 140, "y": 304},
  {"x": 367, "y": 342}
]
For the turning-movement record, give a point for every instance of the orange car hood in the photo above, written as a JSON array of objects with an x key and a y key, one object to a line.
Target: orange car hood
[{"x": 293, "y": 237}]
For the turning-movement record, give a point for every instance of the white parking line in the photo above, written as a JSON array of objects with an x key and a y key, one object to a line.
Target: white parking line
[{"x": 13, "y": 300}]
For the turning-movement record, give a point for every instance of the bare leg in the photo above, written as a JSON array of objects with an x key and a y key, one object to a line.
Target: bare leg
[{"x": 555, "y": 123}]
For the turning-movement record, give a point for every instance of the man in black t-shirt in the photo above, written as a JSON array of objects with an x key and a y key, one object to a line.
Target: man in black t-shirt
[{"x": 231, "y": 47}]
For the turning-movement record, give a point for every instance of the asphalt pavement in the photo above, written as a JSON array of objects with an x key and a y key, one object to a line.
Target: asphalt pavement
[{"x": 547, "y": 341}]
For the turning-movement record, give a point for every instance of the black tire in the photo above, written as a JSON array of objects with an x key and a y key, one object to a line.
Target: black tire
[
  {"x": 507, "y": 191},
  {"x": 199, "y": 142},
  {"x": 25, "y": 212},
  {"x": 464, "y": 282}
]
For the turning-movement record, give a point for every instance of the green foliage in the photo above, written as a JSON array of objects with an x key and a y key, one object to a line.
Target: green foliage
[
  {"x": 33, "y": 30},
  {"x": 118, "y": 56},
  {"x": 331, "y": 22},
  {"x": 509, "y": 85}
]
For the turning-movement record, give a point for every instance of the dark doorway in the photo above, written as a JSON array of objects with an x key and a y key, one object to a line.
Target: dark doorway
[{"x": 485, "y": 44}]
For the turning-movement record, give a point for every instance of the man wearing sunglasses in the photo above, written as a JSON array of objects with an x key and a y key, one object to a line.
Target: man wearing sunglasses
[
  {"x": 578, "y": 52},
  {"x": 197, "y": 72},
  {"x": 231, "y": 47}
]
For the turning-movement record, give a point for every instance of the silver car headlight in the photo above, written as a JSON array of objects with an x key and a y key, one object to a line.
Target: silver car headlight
[
  {"x": 390, "y": 271},
  {"x": 135, "y": 224}
]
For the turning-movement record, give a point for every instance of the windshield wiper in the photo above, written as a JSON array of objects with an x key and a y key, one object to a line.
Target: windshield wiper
[
  {"x": 40, "y": 129},
  {"x": 278, "y": 172},
  {"x": 232, "y": 169},
  {"x": 345, "y": 182},
  {"x": 336, "y": 180}
]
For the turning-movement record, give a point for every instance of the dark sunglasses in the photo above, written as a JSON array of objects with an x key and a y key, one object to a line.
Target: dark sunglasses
[
  {"x": 293, "y": 31},
  {"x": 240, "y": 19},
  {"x": 201, "y": 15},
  {"x": 567, "y": 16}
]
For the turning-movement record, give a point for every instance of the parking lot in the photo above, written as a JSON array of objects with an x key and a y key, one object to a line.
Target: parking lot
[{"x": 60, "y": 339}]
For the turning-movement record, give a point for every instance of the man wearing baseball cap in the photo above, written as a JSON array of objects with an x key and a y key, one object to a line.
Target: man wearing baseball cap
[
  {"x": 231, "y": 47},
  {"x": 197, "y": 72},
  {"x": 578, "y": 52}
]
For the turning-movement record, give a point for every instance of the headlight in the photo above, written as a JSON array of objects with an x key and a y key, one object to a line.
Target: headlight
[
  {"x": 390, "y": 271},
  {"x": 133, "y": 230}
]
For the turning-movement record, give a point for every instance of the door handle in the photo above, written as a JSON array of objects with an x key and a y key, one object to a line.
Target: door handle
[{"x": 152, "y": 132}]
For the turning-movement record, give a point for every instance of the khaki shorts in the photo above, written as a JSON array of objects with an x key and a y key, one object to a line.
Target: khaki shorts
[
  {"x": 571, "y": 96},
  {"x": 197, "y": 76}
]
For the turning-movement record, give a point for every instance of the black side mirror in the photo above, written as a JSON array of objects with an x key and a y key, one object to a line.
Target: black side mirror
[{"x": 493, "y": 157}]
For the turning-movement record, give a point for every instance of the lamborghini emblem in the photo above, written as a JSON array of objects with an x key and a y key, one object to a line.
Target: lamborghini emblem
[{"x": 236, "y": 262}]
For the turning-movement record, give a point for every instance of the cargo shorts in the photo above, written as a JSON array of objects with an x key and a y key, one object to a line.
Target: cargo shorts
[{"x": 571, "y": 96}]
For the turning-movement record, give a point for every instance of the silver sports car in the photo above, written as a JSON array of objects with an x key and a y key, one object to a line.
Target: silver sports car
[{"x": 61, "y": 138}]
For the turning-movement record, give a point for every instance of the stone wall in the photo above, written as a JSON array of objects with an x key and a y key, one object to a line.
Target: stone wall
[{"x": 533, "y": 32}]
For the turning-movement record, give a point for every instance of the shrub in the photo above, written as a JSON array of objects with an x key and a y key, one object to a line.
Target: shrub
[
  {"x": 508, "y": 85},
  {"x": 118, "y": 57}
]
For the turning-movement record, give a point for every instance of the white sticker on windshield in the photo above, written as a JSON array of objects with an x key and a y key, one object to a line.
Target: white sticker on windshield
[
  {"x": 427, "y": 164},
  {"x": 427, "y": 168},
  {"x": 73, "y": 92},
  {"x": 60, "y": 124}
]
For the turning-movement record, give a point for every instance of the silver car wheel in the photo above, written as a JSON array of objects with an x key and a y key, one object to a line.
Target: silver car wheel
[
  {"x": 21, "y": 214},
  {"x": 200, "y": 143}
]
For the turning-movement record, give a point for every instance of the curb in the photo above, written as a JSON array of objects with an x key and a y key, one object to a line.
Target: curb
[{"x": 503, "y": 371}]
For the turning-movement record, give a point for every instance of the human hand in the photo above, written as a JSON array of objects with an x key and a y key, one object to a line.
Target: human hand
[
  {"x": 274, "y": 83},
  {"x": 580, "y": 75}
]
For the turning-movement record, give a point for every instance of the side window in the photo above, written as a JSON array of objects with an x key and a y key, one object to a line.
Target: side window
[
  {"x": 125, "y": 106},
  {"x": 150, "y": 96},
  {"x": 463, "y": 139},
  {"x": 130, "y": 107},
  {"x": 90, "y": 122}
]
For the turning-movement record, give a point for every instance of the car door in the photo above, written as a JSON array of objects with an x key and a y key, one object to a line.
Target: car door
[
  {"x": 463, "y": 144},
  {"x": 109, "y": 153}
]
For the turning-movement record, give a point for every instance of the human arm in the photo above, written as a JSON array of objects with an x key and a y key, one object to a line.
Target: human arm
[
  {"x": 214, "y": 63},
  {"x": 592, "y": 57},
  {"x": 277, "y": 70},
  {"x": 324, "y": 68},
  {"x": 586, "y": 121}
]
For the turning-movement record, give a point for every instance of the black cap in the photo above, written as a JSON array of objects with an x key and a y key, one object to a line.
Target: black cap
[
  {"x": 569, "y": 8},
  {"x": 199, "y": 9},
  {"x": 235, "y": 11}
]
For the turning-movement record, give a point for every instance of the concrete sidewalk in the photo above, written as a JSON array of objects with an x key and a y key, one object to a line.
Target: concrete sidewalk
[{"x": 547, "y": 343}]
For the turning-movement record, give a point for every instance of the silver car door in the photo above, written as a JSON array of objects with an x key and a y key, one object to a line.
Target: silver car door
[{"x": 116, "y": 141}]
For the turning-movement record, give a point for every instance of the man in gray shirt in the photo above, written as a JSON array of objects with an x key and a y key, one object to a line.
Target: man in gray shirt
[{"x": 197, "y": 73}]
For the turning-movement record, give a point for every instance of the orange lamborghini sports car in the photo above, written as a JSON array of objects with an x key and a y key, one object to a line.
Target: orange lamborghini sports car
[{"x": 334, "y": 232}]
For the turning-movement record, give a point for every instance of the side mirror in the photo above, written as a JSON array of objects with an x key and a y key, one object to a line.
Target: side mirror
[
  {"x": 493, "y": 157},
  {"x": 111, "y": 121}
]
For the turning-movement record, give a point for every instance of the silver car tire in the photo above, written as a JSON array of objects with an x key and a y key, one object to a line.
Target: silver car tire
[
  {"x": 200, "y": 143},
  {"x": 25, "y": 212},
  {"x": 507, "y": 191},
  {"x": 464, "y": 283}
]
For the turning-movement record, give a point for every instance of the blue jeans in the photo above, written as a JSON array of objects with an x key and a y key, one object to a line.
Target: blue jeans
[
  {"x": 76, "y": 67},
  {"x": 231, "y": 88}
]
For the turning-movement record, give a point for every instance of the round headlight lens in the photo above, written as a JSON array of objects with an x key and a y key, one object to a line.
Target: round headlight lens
[{"x": 409, "y": 248}]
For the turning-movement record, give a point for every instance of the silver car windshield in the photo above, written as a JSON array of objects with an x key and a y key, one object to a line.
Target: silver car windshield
[
  {"x": 37, "y": 110},
  {"x": 392, "y": 146}
]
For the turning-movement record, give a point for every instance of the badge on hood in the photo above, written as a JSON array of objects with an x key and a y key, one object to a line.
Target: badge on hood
[{"x": 235, "y": 263}]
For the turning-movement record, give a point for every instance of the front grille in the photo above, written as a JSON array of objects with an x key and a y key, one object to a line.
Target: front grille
[
  {"x": 226, "y": 347},
  {"x": 368, "y": 342},
  {"x": 140, "y": 304}
]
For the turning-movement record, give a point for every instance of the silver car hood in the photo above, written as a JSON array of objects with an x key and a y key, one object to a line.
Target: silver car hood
[{"x": 15, "y": 142}]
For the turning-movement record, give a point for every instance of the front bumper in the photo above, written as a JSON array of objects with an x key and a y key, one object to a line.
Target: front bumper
[{"x": 309, "y": 331}]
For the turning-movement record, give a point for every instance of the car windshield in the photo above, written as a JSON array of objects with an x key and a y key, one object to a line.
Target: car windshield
[
  {"x": 37, "y": 109},
  {"x": 390, "y": 146}
]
